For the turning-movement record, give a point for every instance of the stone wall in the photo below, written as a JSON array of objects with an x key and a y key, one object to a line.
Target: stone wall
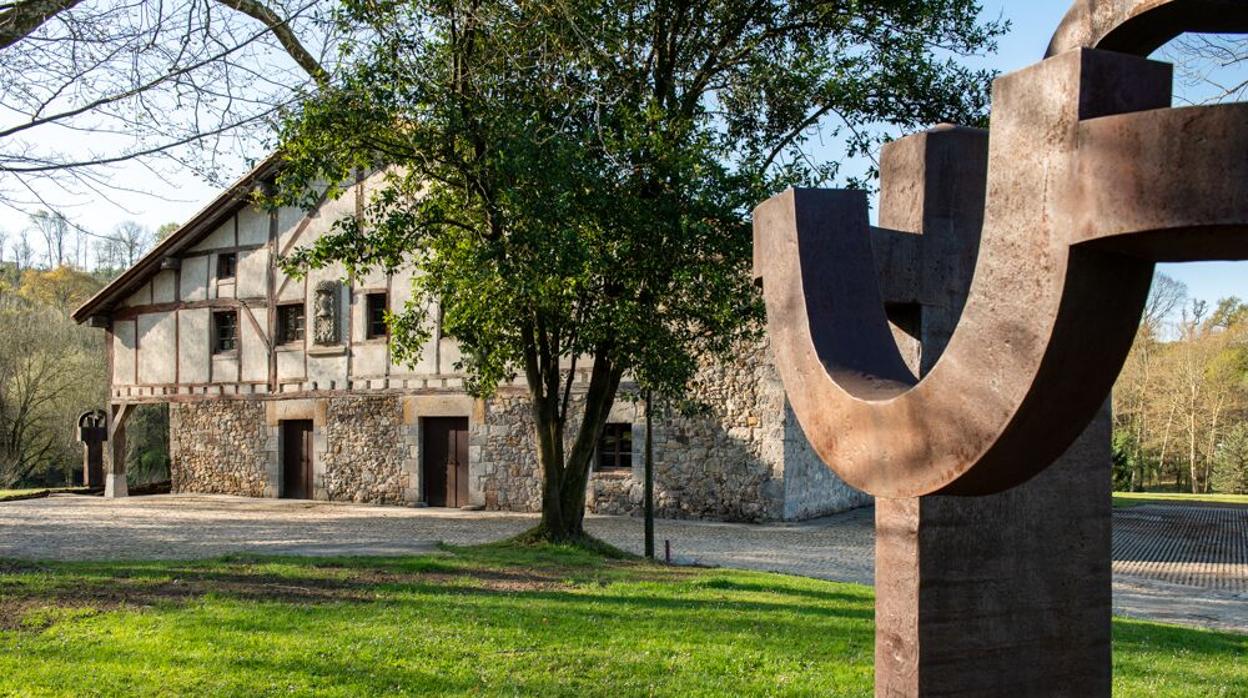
[
  {"x": 744, "y": 458},
  {"x": 811, "y": 489},
  {"x": 725, "y": 463},
  {"x": 221, "y": 447},
  {"x": 503, "y": 455},
  {"x": 365, "y": 450}
]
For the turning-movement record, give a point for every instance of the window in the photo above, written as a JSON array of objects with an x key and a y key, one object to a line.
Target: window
[
  {"x": 375, "y": 316},
  {"x": 615, "y": 450},
  {"x": 224, "y": 331},
  {"x": 227, "y": 265},
  {"x": 290, "y": 323}
]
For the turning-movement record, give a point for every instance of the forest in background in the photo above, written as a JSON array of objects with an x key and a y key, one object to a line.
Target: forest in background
[
  {"x": 1181, "y": 401},
  {"x": 53, "y": 369},
  {"x": 1180, "y": 405}
]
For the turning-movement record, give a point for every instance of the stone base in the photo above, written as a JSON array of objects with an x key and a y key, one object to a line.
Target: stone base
[{"x": 115, "y": 486}]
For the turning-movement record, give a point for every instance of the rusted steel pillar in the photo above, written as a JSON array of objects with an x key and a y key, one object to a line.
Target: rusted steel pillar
[
  {"x": 1007, "y": 594},
  {"x": 977, "y": 417},
  {"x": 93, "y": 433}
]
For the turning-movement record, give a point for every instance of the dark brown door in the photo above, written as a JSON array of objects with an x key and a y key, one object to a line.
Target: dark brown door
[
  {"x": 297, "y": 459},
  {"x": 446, "y": 461}
]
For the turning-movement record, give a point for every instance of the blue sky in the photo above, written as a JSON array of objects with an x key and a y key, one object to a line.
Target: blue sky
[{"x": 175, "y": 195}]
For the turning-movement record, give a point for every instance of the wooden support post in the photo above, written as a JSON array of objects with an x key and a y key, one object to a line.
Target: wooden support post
[{"x": 115, "y": 452}]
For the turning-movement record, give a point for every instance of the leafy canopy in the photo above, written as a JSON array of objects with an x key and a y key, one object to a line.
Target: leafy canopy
[{"x": 575, "y": 177}]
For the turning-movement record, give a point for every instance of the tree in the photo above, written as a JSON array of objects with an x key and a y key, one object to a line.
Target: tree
[
  {"x": 129, "y": 241},
  {"x": 62, "y": 288},
  {"x": 54, "y": 229},
  {"x": 166, "y": 229},
  {"x": 49, "y": 372},
  {"x": 1232, "y": 461},
  {"x": 196, "y": 82},
  {"x": 572, "y": 182},
  {"x": 1136, "y": 392},
  {"x": 1211, "y": 65}
]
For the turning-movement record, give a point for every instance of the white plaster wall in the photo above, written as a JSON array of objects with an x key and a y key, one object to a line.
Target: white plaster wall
[
  {"x": 328, "y": 371},
  {"x": 221, "y": 238},
  {"x": 193, "y": 279},
  {"x": 141, "y": 296},
  {"x": 252, "y": 276},
  {"x": 193, "y": 345},
  {"x": 448, "y": 352},
  {"x": 165, "y": 287},
  {"x": 157, "y": 347},
  {"x": 225, "y": 368},
  {"x": 289, "y": 365},
  {"x": 253, "y": 350},
  {"x": 368, "y": 360},
  {"x": 123, "y": 352},
  {"x": 253, "y": 226}
]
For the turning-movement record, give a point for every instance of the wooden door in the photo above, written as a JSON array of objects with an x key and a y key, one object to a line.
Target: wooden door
[
  {"x": 445, "y": 461},
  {"x": 297, "y": 459}
]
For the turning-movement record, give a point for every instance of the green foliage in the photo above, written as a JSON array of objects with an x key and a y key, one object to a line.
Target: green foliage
[
  {"x": 574, "y": 180},
  {"x": 1231, "y": 468},
  {"x": 494, "y": 621},
  {"x": 147, "y": 444},
  {"x": 50, "y": 372},
  {"x": 1125, "y": 452}
]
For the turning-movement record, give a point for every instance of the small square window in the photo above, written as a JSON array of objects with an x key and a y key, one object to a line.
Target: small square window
[
  {"x": 375, "y": 316},
  {"x": 227, "y": 265},
  {"x": 615, "y": 449},
  {"x": 224, "y": 331},
  {"x": 290, "y": 323}
]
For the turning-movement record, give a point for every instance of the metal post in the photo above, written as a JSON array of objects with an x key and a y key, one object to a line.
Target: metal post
[{"x": 649, "y": 484}]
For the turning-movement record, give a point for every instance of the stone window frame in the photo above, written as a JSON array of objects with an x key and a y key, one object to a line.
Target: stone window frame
[
  {"x": 283, "y": 323},
  {"x": 221, "y": 339},
  {"x": 622, "y": 431}
]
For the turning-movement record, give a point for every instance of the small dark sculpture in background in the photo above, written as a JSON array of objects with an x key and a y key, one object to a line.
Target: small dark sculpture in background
[
  {"x": 93, "y": 432},
  {"x": 1088, "y": 180}
]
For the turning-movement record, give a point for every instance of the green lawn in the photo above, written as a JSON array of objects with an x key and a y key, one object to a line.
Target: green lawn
[
  {"x": 482, "y": 621},
  {"x": 10, "y": 494},
  {"x": 1134, "y": 499}
]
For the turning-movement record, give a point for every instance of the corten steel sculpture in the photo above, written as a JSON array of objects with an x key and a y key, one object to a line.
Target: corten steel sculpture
[
  {"x": 1089, "y": 179},
  {"x": 92, "y": 431}
]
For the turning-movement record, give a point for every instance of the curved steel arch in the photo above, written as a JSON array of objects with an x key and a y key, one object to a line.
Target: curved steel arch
[{"x": 1091, "y": 180}]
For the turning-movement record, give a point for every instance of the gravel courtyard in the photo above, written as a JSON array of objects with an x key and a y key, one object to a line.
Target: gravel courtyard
[{"x": 1182, "y": 564}]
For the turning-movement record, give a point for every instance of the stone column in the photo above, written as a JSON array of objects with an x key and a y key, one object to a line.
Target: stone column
[
  {"x": 115, "y": 452},
  {"x": 1006, "y": 595}
]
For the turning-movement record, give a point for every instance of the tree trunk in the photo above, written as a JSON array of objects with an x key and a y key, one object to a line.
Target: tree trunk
[{"x": 566, "y": 474}]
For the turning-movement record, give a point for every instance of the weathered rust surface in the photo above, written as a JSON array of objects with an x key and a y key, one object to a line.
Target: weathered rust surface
[
  {"x": 968, "y": 346},
  {"x": 1091, "y": 179},
  {"x": 1140, "y": 27},
  {"x": 1006, "y": 594}
]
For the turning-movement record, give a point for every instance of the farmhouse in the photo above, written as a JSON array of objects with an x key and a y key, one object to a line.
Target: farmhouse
[{"x": 280, "y": 387}]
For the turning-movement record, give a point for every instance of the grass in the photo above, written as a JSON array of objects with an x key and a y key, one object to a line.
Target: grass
[
  {"x": 494, "y": 620},
  {"x": 8, "y": 495},
  {"x": 1135, "y": 499}
]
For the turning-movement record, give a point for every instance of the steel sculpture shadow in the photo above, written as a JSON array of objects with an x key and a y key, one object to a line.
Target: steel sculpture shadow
[{"x": 1092, "y": 179}]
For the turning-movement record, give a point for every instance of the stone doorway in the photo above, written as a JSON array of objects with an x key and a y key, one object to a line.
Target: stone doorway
[
  {"x": 297, "y": 459},
  {"x": 445, "y": 461}
]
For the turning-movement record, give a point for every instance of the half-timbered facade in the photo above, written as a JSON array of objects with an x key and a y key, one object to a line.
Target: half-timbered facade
[{"x": 283, "y": 387}]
